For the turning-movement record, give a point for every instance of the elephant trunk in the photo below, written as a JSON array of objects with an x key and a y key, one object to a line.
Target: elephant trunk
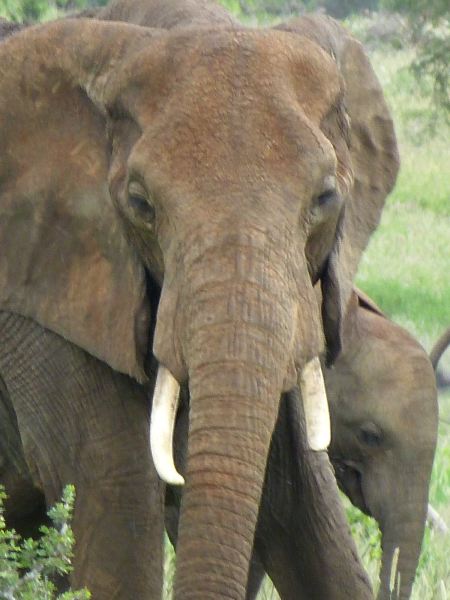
[
  {"x": 402, "y": 534},
  {"x": 237, "y": 346}
]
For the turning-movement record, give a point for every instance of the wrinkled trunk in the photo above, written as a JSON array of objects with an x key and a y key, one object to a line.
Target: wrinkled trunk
[
  {"x": 402, "y": 533},
  {"x": 228, "y": 444},
  {"x": 236, "y": 346},
  {"x": 401, "y": 551}
]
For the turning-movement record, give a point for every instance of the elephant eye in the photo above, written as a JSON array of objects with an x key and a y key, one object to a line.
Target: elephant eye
[
  {"x": 140, "y": 202},
  {"x": 327, "y": 198},
  {"x": 370, "y": 435}
]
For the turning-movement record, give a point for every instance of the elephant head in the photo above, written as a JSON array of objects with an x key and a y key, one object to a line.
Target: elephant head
[
  {"x": 226, "y": 155},
  {"x": 383, "y": 404}
]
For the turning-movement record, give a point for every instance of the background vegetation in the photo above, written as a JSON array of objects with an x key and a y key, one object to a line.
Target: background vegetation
[
  {"x": 28, "y": 566},
  {"x": 406, "y": 268}
]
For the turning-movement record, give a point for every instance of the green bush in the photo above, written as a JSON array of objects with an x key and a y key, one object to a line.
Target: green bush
[
  {"x": 27, "y": 566},
  {"x": 429, "y": 21}
]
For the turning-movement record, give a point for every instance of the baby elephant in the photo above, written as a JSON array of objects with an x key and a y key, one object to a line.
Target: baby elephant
[
  {"x": 384, "y": 411},
  {"x": 384, "y": 415}
]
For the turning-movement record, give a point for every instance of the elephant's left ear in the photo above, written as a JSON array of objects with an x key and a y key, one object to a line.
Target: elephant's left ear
[
  {"x": 374, "y": 162},
  {"x": 65, "y": 260}
]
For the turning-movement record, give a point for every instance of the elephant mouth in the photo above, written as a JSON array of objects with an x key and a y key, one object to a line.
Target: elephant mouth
[
  {"x": 165, "y": 405},
  {"x": 350, "y": 480}
]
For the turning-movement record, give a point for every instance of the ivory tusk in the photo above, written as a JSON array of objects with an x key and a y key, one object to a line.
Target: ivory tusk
[
  {"x": 162, "y": 423},
  {"x": 315, "y": 405}
]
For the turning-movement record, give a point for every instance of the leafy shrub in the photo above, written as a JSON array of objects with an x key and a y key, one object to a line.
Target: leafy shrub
[
  {"x": 430, "y": 26},
  {"x": 27, "y": 566}
]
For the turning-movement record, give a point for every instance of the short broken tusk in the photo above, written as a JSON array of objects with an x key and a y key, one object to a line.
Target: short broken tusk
[
  {"x": 315, "y": 405},
  {"x": 436, "y": 521},
  {"x": 162, "y": 424}
]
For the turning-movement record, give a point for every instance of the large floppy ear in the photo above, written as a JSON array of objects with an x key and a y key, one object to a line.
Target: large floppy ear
[
  {"x": 65, "y": 261},
  {"x": 373, "y": 157}
]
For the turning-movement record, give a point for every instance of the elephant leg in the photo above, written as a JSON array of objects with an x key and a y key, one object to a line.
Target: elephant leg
[
  {"x": 83, "y": 423},
  {"x": 24, "y": 506},
  {"x": 255, "y": 577},
  {"x": 302, "y": 537}
]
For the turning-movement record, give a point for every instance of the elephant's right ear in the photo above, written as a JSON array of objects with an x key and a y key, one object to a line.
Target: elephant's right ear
[
  {"x": 374, "y": 162},
  {"x": 65, "y": 261}
]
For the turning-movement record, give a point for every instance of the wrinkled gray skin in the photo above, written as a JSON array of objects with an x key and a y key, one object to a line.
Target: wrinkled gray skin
[
  {"x": 82, "y": 402},
  {"x": 383, "y": 402},
  {"x": 384, "y": 413},
  {"x": 382, "y": 397}
]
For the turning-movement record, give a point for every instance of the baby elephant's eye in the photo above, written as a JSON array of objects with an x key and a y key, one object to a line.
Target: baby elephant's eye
[
  {"x": 370, "y": 435},
  {"x": 140, "y": 202}
]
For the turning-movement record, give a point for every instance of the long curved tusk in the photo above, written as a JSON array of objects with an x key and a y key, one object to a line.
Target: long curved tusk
[
  {"x": 162, "y": 423},
  {"x": 315, "y": 405}
]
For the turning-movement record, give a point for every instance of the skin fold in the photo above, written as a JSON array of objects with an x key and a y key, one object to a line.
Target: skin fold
[{"x": 228, "y": 220}]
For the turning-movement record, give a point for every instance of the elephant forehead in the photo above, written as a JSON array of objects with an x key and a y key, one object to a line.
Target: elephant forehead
[
  {"x": 213, "y": 64},
  {"x": 233, "y": 96}
]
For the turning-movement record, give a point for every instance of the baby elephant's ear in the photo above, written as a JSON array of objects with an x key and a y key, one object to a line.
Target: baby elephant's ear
[
  {"x": 65, "y": 261},
  {"x": 373, "y": 156}
]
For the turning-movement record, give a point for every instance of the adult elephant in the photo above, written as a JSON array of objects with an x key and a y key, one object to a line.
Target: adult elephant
[
  {"x": 384, "y": 415},
  {"x": 75, "y": 427},
  {"x": 225, "y": 152}
]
